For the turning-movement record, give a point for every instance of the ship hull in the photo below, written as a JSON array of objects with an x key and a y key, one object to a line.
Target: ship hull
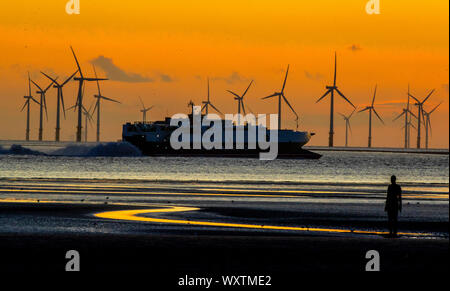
[{"x": 285, "y": 151}]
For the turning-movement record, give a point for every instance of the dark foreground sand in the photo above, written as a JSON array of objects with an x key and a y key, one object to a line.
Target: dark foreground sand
[{"x": 35, "y": 237}]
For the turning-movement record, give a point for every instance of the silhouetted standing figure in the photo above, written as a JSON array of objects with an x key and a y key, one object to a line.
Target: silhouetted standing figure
[{"x": 393, "y": 205}]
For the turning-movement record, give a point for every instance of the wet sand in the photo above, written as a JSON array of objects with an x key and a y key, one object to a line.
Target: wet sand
[{"x": 35, "y": 237}]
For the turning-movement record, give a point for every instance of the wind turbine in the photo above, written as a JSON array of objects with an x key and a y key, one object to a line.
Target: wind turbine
[
  {"x": 281, "y": 96},
  {"x": 408, "y": 123},
  {"x": 240, "y": 100},
  {"x": 59, "y": 102},
  {"x": 331, "y": 90},
  {"x": 88, "y": 118},
  {"x": 372, "y": 108},
  {"x": 79, "y": 102},
  {"x": 208, "y": 103},
  {"x": 99, "y": 96},
  {"x": 43, "y": 104},
  {"x": 27, "y": 104},
  {"x": 420, "y": 113},
  {"x": 347, "y": 125},
  {"x": 144, "y": 111},
  {"x": 428, "y": 123}
]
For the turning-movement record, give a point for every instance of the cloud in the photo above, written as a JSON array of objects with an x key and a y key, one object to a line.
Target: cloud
[
  {"x": 233, "y": 78},
  {"x": 166, "y": 78},
  {"x": 313, "y": 76},
  {"x": 115, "y": 73},
  {"x": 355, "y": 47}
]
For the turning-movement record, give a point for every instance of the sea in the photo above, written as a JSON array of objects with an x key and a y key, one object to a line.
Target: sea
[{"x": 121, "y": 164}]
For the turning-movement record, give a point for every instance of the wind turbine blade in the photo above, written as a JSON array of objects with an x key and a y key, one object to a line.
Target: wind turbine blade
[
  {"x": 143, "y": 106},
  {"x": 414, "y": 98},
  {"x": 75, "y": 106},
  {"x": 46, "y": 89},
  {"x": 45, "y": 106},
  {"x": 349, "y": 127},
  {"x": 273, "y": 95},
  {"x": 243, "y": 107},
  {"x": 412, "y": 114},
  {"x": 29, "y": 84},
  {"x": 342, "y": 95},
  {"x": 78, "y": 64},
  {"x": 343, "y": 116},
  {"x": 335, "y": 68},
  {"x": 24, "y": 105},
  {"x": 365, "y": 109},
  {"x": 431, "y": 93},
  {"x": 350, "y": 116},
  {"x": 98, "y": 84},
  {"x": 62, "y": 103},
  {"x": 35, "y": 100},
  {"x": 208, "y": 89},
  {"x": 374, "y": 95},
  {"x": 215, "y": 108},
  {"x": 324, "y": 95},
  {"x": 434, "y": 108},
  {"x": 109, "y": 99},
  {"x": 36, "y": 85},
  {"x": 287, "y": 102},
  {"x": 51, "y": 79},
  {"x": 429, "y": 124},
  {"x": 378, "y": 115},
  {"x": 285, "y": 79},
  {"x": 234, "y": 94},
  {"x": 68, "y": 79},
  {"x": 247, "y": 89},
  {"x": 400, "y": 115}
]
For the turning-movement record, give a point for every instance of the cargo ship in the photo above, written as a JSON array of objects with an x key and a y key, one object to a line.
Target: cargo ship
[{"x": 153, "y": 139}]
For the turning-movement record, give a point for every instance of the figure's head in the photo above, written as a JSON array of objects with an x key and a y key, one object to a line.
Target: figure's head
[{"x": 393, "y": 179}]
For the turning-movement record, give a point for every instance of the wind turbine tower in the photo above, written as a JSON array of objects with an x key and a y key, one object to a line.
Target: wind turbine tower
[{"x": 331, "y": 90}]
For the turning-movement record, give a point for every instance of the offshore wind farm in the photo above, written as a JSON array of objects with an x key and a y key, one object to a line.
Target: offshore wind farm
[{"x": 423, "y": 118}]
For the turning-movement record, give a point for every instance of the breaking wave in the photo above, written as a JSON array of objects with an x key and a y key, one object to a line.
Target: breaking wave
[
  {"x": 19, "y": 150},
  {"x": 112, "y": 149}
]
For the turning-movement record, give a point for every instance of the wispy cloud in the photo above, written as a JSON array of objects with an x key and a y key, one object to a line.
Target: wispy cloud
[
  {"x": 355, "y": 47},
  {"x": 313, "y": 76},
  {"x": 233, "y": 78},
  {"x": 166, "y": 78},
  {"x": 115, "y": 73}
]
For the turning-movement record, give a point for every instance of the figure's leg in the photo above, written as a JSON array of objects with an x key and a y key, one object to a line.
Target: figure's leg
[{"x": 390, "y": 222}]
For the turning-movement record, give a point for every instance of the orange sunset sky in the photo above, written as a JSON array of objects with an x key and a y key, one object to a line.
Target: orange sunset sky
[{"x": 163, "y": 51}]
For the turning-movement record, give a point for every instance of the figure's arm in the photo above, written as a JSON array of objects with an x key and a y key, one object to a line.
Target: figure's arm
[{"x": 400, "y": 199}]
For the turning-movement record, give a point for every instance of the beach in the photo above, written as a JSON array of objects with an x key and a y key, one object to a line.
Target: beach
[
  {"x": 280, "y": 233},
  {"x": 173, "y": 217}
]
